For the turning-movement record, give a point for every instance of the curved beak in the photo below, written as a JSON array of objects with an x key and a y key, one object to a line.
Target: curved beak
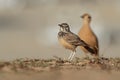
[
  {"x": 82, "y": 16},
  {"x": 59, "y": 24}
]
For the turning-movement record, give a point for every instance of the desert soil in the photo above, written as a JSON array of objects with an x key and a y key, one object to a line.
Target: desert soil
[{"x": 58, "y": 69}]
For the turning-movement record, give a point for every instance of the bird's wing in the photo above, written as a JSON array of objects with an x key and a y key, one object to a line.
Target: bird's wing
[{"x": 73, "y": 39}]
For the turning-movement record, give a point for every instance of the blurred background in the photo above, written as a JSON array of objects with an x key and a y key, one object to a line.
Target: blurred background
[{"x": 28, "y": 28}]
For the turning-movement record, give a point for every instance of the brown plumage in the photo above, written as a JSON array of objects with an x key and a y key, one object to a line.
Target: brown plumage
[
  {"x": 69, "y": 40},
  {"x": 88, "y": 36}
]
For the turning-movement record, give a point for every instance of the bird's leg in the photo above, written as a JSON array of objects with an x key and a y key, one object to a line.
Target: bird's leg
[{"x": 72, "y": 55}]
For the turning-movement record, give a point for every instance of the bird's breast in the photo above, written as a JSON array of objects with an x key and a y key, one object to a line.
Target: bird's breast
[
  {"x": 87, "y": 35},
  {"x": 67, "y": 45}
]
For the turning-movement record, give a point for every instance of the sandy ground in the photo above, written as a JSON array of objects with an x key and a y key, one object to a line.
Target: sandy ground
[
  {"x": 57, "y": 69},
  {"x": 63, "y": 75}
]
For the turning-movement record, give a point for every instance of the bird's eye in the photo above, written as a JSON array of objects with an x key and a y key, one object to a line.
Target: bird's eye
[
  {"x": 89, "y": 17},
  {"x": 67, "y": 28}
]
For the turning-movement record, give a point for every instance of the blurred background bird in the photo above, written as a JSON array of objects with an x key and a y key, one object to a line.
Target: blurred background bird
[{"x": 88, "y": 36}]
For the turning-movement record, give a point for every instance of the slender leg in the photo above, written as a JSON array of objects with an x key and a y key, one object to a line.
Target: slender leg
[{"x": 72, "y": 55}]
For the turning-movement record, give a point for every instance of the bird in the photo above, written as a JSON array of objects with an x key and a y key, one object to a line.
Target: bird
[
  {"x": 69, "y": 40},
  {"x": 88, "y": 36}
]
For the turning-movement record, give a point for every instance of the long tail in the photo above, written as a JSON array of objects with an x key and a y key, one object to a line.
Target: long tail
[
  {"x": 92, "y": 50},
  {"x": 89, "y": 49}
]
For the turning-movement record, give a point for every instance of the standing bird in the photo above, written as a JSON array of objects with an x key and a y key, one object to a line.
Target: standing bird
[
  {"x": 88, "y": 36},
  {"x": 69, "y": 40}
]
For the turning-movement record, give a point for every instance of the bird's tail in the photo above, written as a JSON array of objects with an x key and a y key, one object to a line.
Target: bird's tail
[
  {"x": 82, "y": 43},
  {"x": 92, "y": 50}
]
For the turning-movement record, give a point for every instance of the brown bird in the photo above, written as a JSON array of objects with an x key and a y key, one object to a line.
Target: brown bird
[
  {"x": 69, "y": 40},
  {"x": 88, "y": 36}
]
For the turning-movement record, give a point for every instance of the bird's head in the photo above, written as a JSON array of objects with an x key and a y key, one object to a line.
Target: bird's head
[
  {"x": 64, "y": 27},
  {"x": 86, "y": 16}
]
